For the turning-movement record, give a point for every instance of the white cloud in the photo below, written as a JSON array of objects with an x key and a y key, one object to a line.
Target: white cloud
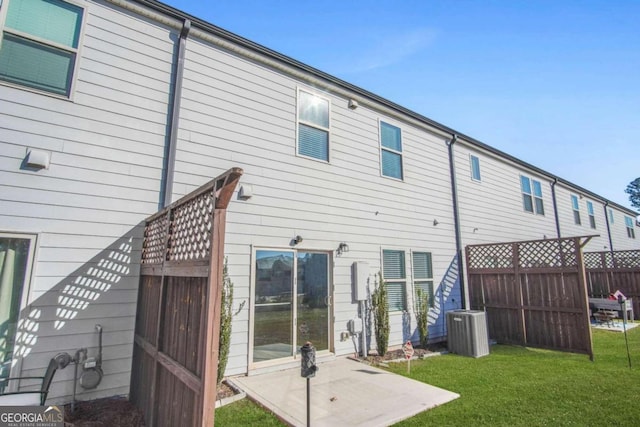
[{"x": 383, "y": 50}]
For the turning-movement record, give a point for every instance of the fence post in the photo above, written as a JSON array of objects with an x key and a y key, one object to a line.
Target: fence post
[
  {"x": 582, "y": 287},
  {"x": 515, "y": 248}
]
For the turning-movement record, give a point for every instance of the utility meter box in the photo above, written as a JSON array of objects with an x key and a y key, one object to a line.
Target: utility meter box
[
  {"x": 359, "y": 276},
  {"x": 355, "y": 326}
]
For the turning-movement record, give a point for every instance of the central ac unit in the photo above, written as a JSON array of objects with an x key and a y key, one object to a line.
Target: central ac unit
[{"x": 467, "y": 333}]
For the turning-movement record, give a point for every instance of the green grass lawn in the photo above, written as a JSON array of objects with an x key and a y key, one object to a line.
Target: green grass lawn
[{"x": 516, "y": 386}]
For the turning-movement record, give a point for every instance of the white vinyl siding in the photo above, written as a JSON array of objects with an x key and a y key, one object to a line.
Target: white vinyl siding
[
  {"x": 423, "y": 275},
  {"x": 475, "y": 167},
  {"x": 106, "y": 150},
  {"x": 532, "y": 195},
  {"x": 391, "y": 151},
  {"x": 313, "y": 126},
  {"x": 395, "y": 279},
  {"x": 591, "y": 213},
  {"x": 576, "y": 209},
  {"x": 40, "y": 41},
  {"x": 631, "y": 233}
]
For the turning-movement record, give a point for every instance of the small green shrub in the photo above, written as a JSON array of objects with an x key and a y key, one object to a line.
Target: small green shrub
[
  {"x": 226, "y": 317},
  {"x": 422, "y": 312},
  {"x": 380, "y": 315}
]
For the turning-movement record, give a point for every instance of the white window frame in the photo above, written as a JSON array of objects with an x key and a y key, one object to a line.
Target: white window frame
[
  {"x": 591, "y": 214},
  {"x": 471, "y": 161},
  {"x": 575, "y": 208},
  {"x": 312, "y": 125},
  {"x": 533, "y": 196},
  {"x": 628, "y": 222},
  {"x": 76, "y": 51},
  {"x": 415, "y": 280},
  {"x": 402, "y": 281},
  {"x": 391, "y": 150},
  {"x": 25, "y": 299}
]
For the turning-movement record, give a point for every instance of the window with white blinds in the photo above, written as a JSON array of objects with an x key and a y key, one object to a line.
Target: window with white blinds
[
  {"x": 423, "y": 276},
  {"x": 395, "y": 278},
  {"x": 391, "y": 150},
  {"x": 40, "y": 42},
  {"x": 313, "y": 126}
]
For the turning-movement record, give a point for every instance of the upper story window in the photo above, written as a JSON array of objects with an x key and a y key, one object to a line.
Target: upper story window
[
  {"x": 395, "y": 278},
  {"x": 423, "y": 276},
  {"x": 532, "y": 195},
  {"x": 313, "y": 126},
  {"x": 391, "y": 150},
  {"x": 610, "y": 215},
  {"x": 592, "y": 215},
  {"x": 576, "y": 209},
  {"x": 39, "y": 45},
  {"x": 630, "y": 230},
  {"x": 475, "y": 168}
]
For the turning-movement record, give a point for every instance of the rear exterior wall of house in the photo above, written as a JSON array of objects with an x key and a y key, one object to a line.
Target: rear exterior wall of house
[{"x": 370, "y": 175}]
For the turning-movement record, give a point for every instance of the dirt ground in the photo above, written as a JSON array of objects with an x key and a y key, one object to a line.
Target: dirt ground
[
  {"x": 113, "y": 412},
  {"x": 109, "y": 412}
]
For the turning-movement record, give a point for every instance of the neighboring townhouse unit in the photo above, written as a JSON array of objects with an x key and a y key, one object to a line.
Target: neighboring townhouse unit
[{"x": 122, "y": 107}]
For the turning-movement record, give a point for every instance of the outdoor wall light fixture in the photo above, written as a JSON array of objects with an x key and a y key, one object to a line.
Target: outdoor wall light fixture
[
  {"x": 342, "y": 248},
  {"x": 297, "y": 239},
  {"x": 435, "y": 222}
]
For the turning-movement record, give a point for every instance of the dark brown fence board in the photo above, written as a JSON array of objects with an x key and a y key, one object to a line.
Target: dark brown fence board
[
  {"x": 533, "y": 292},
  {"x": 610, "y": 271},
  {"x": 178, "y": 318}
]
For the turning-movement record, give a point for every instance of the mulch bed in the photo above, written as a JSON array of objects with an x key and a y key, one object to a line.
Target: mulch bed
[
  {"x": 398, "y": 354},
  {"x": 107, "y": 412},
  {"x": 114, "y": 411}
]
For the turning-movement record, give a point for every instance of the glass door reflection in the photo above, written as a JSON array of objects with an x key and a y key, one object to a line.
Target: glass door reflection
[
  {"x": 273, "y": 315},
  {"x": 312, "y": 297}
]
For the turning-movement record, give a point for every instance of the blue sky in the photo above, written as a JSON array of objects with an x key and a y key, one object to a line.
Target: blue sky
[{"x": 554, "y": 83}]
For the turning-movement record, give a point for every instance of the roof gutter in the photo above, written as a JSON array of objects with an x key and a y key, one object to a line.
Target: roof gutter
[
  {"x": 606, "y": 217},
  {"x": 456, "y": 217},
  {"x": 555, "y": 206},
  {"x": 174, "y": 117}
]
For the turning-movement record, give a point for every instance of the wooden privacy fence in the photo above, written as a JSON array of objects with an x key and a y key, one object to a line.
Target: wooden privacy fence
[
  {"x": 534, "y": 293},
  {"x": 611, "y": 271},
  {"x": 175, "y": 353}
]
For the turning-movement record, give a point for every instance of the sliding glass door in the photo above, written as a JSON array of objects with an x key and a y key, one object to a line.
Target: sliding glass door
[{"x": 291, "y": 303}]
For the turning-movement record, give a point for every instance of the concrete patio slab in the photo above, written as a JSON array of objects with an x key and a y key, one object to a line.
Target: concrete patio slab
[{"x": 343, "y": 393}]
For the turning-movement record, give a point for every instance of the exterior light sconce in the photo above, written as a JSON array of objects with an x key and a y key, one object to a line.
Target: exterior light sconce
[
  {"x": 342, "y": 248},
  {"x": 297, "y": 240},
  {"x": 475, "y": 229},
  {"x": 435, "y": 222},
  {"x": 353, "y": 104}
]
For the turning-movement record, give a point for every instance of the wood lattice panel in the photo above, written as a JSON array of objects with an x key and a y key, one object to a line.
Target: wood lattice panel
[
  {"x": 190, "y": 230},
  {"x": 534, "y": 293},
  {"x": 627, "y": 259},
  {"x": 547, "y": 253},
  {"x": 491, "y": 256},
  {"x": 175, "y": 357},
  {"x": 153, "y": 246}
]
